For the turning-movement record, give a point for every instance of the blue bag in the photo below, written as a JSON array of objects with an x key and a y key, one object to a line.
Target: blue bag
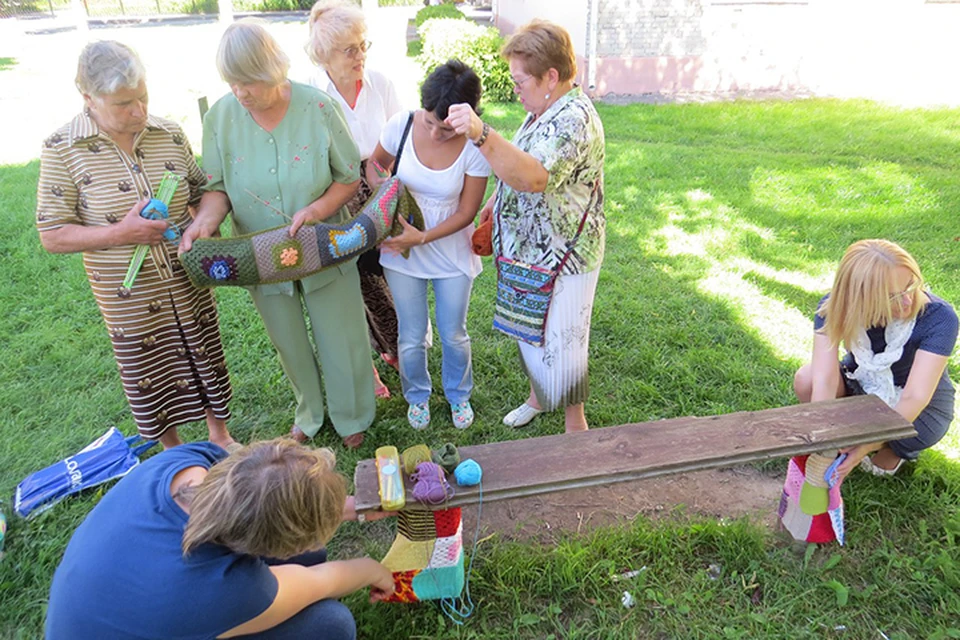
[{"x": 109, "y": 456}]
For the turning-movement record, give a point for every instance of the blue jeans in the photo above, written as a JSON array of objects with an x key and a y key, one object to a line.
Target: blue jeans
[
  {"x": 324, "y": 619},
  {"x": 452, "y": 300}
]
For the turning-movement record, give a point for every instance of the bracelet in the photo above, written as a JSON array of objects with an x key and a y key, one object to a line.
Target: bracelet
[{"x": 483, "y": 135}]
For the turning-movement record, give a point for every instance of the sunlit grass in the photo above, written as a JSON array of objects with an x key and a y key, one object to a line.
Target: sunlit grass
[{"x": 725, "y": 223}]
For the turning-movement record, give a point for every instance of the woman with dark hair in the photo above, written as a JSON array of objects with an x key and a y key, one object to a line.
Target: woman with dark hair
[
  {"x": 196, "y": 544},
  {"x": 447, "y": 177}
]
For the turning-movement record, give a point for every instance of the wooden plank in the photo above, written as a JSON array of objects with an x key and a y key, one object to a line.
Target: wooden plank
[{"x": 633, "y": 451}]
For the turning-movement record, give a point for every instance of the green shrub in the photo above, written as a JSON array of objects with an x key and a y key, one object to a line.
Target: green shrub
[
  {"x": 438, "y": 11},
  {"x": 477, "y": 46},
  {"x": 198, "y": 7}
]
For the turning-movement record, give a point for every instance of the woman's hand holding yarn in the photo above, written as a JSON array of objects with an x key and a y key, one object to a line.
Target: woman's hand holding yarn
[{"x": 137, "y": 230}]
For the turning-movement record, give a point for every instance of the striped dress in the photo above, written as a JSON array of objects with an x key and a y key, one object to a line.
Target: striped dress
[{"x": 164, "y": 331}]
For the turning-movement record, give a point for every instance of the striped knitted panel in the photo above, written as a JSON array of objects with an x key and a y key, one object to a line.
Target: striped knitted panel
[{"x": 416, "y": 525}]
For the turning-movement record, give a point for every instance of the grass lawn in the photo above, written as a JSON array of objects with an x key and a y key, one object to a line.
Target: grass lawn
[{"x": 725, "y": 222}]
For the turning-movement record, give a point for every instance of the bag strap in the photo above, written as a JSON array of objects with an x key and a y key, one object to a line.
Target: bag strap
[
  {"x": 573, "y": 242},
  {"x": 583, "y": 221},
  {"x": 403, "y": 141}
]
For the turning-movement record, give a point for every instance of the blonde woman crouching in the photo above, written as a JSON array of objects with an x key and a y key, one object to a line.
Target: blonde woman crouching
[{"x": 898, "y": 337}]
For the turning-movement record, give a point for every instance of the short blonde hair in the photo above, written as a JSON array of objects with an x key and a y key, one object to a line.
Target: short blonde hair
[
  {"x": 248, "y": 54},
  {"x": 107, "y": 66},
  {"x": 330, "y": 22},
  {"x": 275, "y": 499},
  {"x": 860, "y": 297},
  {"x": 541, "y": 46}
]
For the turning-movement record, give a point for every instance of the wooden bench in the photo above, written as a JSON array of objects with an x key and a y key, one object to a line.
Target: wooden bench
[{"x": 546, "y": 464}]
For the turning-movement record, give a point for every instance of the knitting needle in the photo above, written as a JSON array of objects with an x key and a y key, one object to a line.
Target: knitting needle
[{"x": 267, "y": 204}]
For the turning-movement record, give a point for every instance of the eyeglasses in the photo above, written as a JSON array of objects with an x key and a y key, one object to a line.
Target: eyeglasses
[
  {"x": 354, "y": 51},
  {"x": 909, "y": 291},
  {"x": 518, "y": 84}
]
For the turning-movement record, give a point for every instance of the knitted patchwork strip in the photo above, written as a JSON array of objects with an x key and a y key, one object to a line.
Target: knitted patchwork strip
[
  {"x": 440, "y": 582},
  {"x": 447, "y": 522},
  {"x": 272, "y": 256},
  {"x": 810, "y": 513},
  {"x": 403, "y": 587},
  {"x": 433, "y": 568},
  {"x": 408, "y": 555},
  {"x": 280, "y": 257},
  {"x": 416, "y": 525},
  {"x": 447, "y": 551},
  {"x": 227, "y": 262}
]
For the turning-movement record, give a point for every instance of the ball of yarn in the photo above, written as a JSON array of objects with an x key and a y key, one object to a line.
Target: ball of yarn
[{"x": 468, "y": 473}]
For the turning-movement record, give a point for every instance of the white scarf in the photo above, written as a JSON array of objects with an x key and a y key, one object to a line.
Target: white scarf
[{"x": 874, "y": 372}]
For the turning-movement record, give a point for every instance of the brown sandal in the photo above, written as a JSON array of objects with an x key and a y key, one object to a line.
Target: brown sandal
[
  {"x": 354, "y": 441},
  {"x": 298, "y": 435}
]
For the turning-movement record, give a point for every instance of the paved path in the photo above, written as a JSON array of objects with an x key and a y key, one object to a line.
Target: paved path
[{"x": 37, "y": 94}]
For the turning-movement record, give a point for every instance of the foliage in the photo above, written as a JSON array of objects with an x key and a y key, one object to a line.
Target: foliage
[
  {"x": 199, "y": 7},
  {"x": 479, "y": 47},
  {"x": 724, "y": 224},
  {"x": 438, "y": 11}
]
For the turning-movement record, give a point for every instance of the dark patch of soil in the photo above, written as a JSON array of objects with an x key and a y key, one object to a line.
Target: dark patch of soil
[{"x": 718, "y": 493}]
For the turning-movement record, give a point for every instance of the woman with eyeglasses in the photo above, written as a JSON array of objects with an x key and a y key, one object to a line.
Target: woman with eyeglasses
[
  {"x": 898, "y": 337},
  {"x": 338, "y": 46},
  {"x": 278, "y": 152},
  {"x": 547, "y": 211}
]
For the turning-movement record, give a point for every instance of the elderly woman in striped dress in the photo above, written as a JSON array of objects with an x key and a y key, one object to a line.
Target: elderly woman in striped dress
[{"x": 96, "y": 174}]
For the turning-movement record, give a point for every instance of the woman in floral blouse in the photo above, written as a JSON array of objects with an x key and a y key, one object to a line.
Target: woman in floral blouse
[{"x": 550, "y": 182}]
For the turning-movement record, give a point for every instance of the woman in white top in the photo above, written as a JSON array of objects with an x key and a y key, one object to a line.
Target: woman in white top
[
  {"x": 447, "y": 176},
  {"x": 338, "y": 46}
]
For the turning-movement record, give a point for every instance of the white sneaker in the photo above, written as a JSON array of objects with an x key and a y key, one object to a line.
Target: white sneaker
[{"x": 521, "y": 416}]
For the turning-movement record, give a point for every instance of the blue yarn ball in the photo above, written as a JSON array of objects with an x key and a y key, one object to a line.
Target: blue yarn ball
[{"x": 468, "y": 473}]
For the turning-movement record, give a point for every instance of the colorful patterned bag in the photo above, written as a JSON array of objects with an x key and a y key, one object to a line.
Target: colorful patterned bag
[{"x": 524, "y": 293}]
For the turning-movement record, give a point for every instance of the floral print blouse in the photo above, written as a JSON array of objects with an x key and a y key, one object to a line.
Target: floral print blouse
[{"x": 536, "y": 228}]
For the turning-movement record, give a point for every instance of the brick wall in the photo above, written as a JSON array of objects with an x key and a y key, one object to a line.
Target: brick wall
[{"x": 650, "y": 28}]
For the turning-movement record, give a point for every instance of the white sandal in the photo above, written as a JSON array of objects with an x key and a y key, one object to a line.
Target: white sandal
[
  {"x": 521, "y": 416},
  {"x": 867, "y": 465}
]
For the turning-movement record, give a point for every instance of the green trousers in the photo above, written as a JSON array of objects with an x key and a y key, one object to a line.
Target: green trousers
[{"x": 342, "y": 351}]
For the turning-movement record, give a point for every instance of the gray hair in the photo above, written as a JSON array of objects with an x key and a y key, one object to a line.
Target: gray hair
[
  {"x": 248, "y": 54},
  {"x": 330, "y": 21},
  {"x": 107, "y": 66}
]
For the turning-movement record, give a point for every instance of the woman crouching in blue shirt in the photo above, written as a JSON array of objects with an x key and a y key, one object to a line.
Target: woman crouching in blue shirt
[
  {"x": 898, "y": 338},
  {"x": 186, "y": 546}
]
